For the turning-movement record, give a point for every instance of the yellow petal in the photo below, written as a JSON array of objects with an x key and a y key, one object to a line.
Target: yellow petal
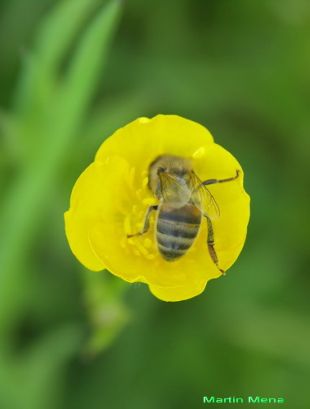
[
  {"x": 144, "y": 139},
  {"x": 180, "y": 293},
  {"x": 80, "y": 216}
]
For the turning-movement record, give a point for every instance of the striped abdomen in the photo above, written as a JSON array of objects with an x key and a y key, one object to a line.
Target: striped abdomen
[{"x": 176, "y": 230}]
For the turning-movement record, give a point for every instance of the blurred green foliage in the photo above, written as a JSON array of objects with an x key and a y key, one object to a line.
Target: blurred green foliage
[{"x": 76, "y": 339}]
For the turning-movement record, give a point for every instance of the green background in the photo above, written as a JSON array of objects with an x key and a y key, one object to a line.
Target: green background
[{"x": 71, "y": 73}]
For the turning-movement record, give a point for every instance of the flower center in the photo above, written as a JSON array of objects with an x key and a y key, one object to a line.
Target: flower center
[{"x": 139, "y": 198}]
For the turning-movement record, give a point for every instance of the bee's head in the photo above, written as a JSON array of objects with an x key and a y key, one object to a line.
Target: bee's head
[{"x": 175, "y": 167}]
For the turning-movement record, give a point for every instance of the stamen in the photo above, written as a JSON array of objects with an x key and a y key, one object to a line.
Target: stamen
[
  {"x": 127, "y": 225},
  {"x": 133, "y": 217},
  {"x": 147, "y": 243},
  {"x": 145, "y": 182},
  {"x": 199, "y": 153}
]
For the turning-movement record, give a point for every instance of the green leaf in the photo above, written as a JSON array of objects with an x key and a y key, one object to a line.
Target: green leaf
[
  {"x": 54, "y": 38},
  {"x": 84, "y": 72},
  {"x": 25, "y": 204}
]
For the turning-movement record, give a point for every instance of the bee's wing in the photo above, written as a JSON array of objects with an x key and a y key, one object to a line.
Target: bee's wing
[
  {"x": 171, "y": 188},
  {"x": 203, "y": 198}
]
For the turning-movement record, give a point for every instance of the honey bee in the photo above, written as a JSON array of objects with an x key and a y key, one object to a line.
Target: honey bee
[{"x": 183, "y": 200}]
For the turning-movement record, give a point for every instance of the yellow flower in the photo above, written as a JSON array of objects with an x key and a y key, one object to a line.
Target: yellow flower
[{"x": 110, "y": 199}]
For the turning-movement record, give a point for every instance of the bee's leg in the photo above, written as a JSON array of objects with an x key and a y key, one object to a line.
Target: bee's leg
[
  {"x": 213, "y": 181},
  {"x": 210, "y": 242},
  {"x": 146, "y": 222}
]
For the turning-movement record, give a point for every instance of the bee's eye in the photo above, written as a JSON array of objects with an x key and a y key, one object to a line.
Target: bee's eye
[
  {"x": 180, "y": 172},
  {"x": 161, "y": 170}
]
